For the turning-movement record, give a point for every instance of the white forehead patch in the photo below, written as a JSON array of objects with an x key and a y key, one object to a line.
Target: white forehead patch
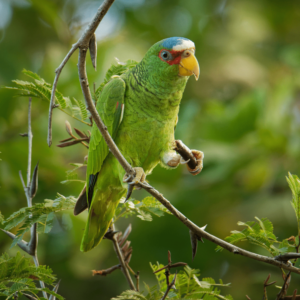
[{"x": 184, "y": 44}]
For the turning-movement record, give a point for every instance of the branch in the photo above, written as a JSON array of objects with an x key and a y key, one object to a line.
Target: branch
[
  {"x": 106, "y": 271},
  {"x": 200, "y": 232},
  {"x": 30, "y": 191},
  {"x": 129, "y": 170},
  {"x": 186, "y": 154},
  {"x": 83, "y": 42},
  {"x": 287, "y": 256},
  {"x": 121, "y": 260},
  {"x": 91, "y": 107}
]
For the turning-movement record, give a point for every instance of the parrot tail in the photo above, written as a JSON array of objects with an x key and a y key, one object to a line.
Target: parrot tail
[{"x": 101, "y": 213}]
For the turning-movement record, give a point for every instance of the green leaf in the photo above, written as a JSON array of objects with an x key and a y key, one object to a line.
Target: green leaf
[
  {"x": 294, "y": 184},
  {"x": 130, "y": 295},
  {"x": 13, "y": 269},
  {"x": 39, "y": 88},
  {"x": 259, "y": 233},
  {"x": 142, "y": 209},
  {"x": 40, "y": 213},
  {"x": 188, "y": 285}
]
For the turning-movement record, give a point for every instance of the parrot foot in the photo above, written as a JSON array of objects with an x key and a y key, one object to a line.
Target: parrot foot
[
  {"x": 140, "y": 176},
  {"x": 199, "y": 155}
]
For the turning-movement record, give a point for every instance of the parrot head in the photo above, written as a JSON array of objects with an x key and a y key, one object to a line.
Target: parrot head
[{"x": 173, "y": 58}]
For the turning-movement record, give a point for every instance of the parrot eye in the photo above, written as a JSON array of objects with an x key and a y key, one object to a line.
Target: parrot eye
[{"x": 166, "y": 55}]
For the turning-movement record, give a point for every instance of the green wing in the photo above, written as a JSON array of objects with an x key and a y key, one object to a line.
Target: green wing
[{"x": 110, "y": 107}]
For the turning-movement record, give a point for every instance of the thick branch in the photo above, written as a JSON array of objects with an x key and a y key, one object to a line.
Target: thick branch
[
  {"x": 212, "y": 238},
  {"x": 287, "y": 256},
  {"x": 82, "y": 42}
]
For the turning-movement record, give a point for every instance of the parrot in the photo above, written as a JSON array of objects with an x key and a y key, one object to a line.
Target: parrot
[{"x": 140, "y": 110}]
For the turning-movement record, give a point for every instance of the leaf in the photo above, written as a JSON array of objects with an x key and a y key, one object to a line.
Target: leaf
[
  {"x": 142, "y": 209},
  {"x": 259, "y": 233},
  {"x": 34, "y": 181},
  {"x": 41, "y": 213},
  {"x": 39, "y": 88},
  {"x": 294, "y": 184},
  {"x": 188, "y": 285},
  {"x": 21, "y": 270},
  {"x": 130, "y": 295}
]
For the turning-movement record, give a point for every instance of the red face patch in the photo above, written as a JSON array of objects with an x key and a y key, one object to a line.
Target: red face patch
[{"x": 172, "y": 58}]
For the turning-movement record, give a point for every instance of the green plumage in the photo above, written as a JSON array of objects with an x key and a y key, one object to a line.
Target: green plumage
[{"x": 151, "y": 92}]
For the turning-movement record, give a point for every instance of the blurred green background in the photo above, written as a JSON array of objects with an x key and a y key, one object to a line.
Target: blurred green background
[{"x": 243, "y": 113}]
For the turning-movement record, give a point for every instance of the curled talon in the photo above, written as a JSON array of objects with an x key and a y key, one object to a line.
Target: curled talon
[
  {"x": 139, "y": 177},
  {"x": 183, "y": 162},
  {"x": 129, "y": 192}
]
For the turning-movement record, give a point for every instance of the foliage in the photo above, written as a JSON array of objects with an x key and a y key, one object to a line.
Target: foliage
[
  {"x": 39, "y": 88},
  {"x": 40, "y": 213},
  {"x": 243, "y": 113},
  {"x": 142, "y": 209},
  {"x": 294, "y": 185},
  {"x": 259, "y": 233},
  {"x": 187, "y": 286},
  {"x": 18, "y": 275},
  {"x": 72, "y": 175}
]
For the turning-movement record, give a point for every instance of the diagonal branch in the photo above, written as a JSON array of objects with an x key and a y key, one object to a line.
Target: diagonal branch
[
  {"x": 129, "y": 170},
  {"x": 82, "y": 42}
]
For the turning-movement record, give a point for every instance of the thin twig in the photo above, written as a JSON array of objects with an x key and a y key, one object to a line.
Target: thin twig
[
  {"x": 285, "y": 286},
  {"x": 82, "y": 42},
  {"x": 137, "y": 276},
  {"x": 32, "y": 244},
  {"x": 169, "y": 287},
  {"x": 121, "y": 260},
  {"x": 106, "y": 271},
  {"x": 36, "y": 262},
  {"x": 30, "y": 136}
]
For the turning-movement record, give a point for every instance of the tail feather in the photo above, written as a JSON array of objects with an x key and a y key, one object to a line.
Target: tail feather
[
  {"x": 81, "y": 203},
  {"x": 100, "y": 215}
]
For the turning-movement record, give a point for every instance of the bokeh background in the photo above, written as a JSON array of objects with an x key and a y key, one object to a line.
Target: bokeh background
[{"x": 243, "y": 113}]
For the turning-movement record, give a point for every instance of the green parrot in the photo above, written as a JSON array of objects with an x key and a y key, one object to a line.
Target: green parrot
[{"x": 140, "y": 109}]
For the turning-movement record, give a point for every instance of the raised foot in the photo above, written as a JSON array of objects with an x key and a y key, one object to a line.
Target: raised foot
[
  {"x": 199, "y": 155},
  {"x": 139, "y": 177}
]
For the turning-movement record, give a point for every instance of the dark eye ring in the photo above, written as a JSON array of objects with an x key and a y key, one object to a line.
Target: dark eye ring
[{"x": 166, "y": 55}]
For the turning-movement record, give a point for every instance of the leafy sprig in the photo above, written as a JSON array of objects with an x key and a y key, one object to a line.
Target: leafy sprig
[
  {"x": 18, "y": 275},
  {"x": 39, "y": 88},
  {"x": 144, "y": 209},
  {"x": 40, "y": 213},
  {"x": 187, "y": 286}
]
